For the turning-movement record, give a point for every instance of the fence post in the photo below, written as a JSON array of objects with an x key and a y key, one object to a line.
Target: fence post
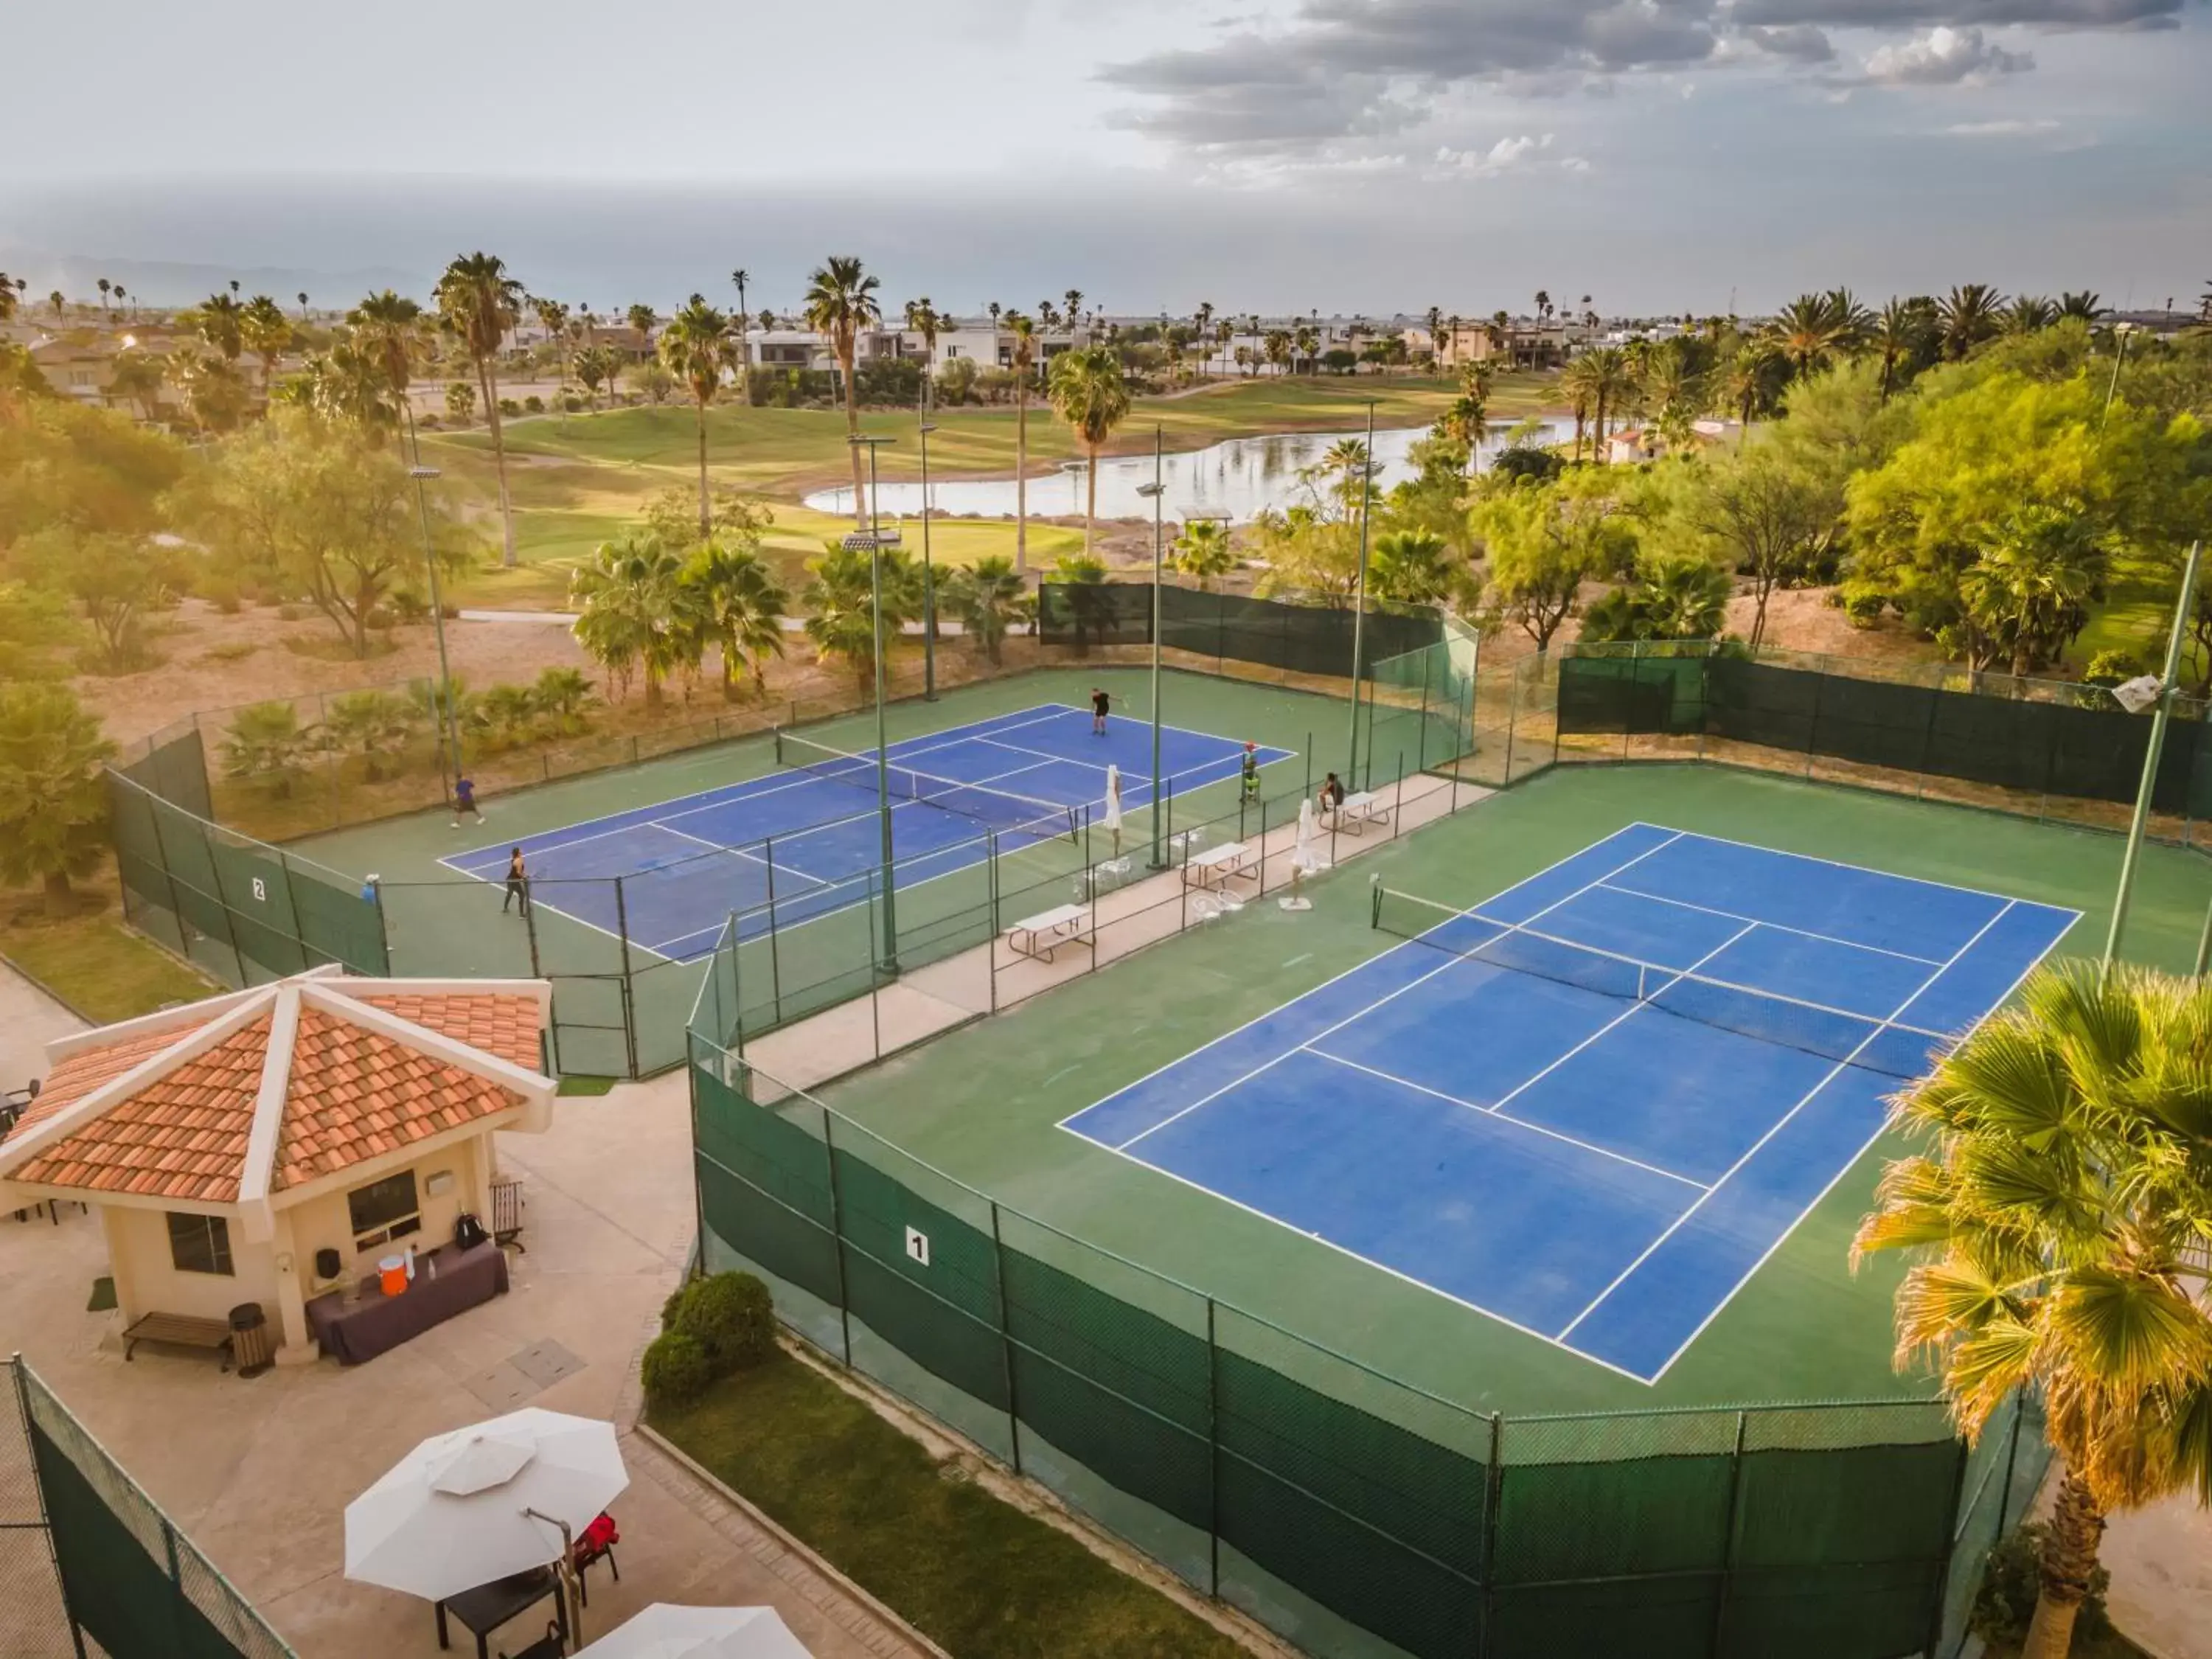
[
  {"x": 1421, "y": 731},
  {"x": 1398, "y": 798},
  {"x": 775, "y": 968},
  {"x": 176, "y": 1585},
  {"x": 1263, "y": 862},
  {"x": 837, "y": 1235},
  {"x": 1812, "y": 727},
  {"x": 1728, "y": 1537},
  {"x": 530, "y": 932},
  {"x": 1006, "y": 1335},
  {"x": 1512, "y": 715},
  {"x": 628, "y": 986},
  {"x": 1213, "y": 1446},
  {"x": 1494, "y": 1493}
]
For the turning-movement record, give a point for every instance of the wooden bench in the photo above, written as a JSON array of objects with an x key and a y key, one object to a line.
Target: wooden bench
[
  {"x": 181, "y": 1331},
  {"x": 1048, "y": 930}
]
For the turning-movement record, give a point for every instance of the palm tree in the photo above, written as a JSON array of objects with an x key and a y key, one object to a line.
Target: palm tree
[
  {"x": 1024, "y": 333},
  {"x": 136, "y": 377},
  {"x": 1409, "y": 567},
  {"x": 840, "y": 301},
  {"x": 840, "y": 599},
  {"x": 1968, "y": 316},
  {"x": 740, "y": 276},
  {"x": 1089, "y": 392},
  {"x": 1308, "y": 343},
  {"x": 1754, "y": 378},
  {"x": 627, "y": 606},
  {"x": 1610, "y": 383},
  {"x": 553, "y": 317},
  {"x": 1347, "y": 458},
  {"x": 2059, "y": 1216},
  {"x": 51, "y": 818},
  {"x": 2028, "y": 314},
  {"x": 479, "y": 302},
  {"x": 265, "y": 331},
  {"x": 923, "y": 317},
  {"x": 349, "y": 383},
  {"x": 697, "y": 349},
  {"x": 1808, "y": 332},
  {"x": 1074, "y": 298},
  {"x": 1896, "y": 336},
  {"x": 1436, "y": 338},
  {"x": 56, "y": 300},
  {"x": 302, "y": 297},
  {"x": 1578, "y": 385},
  {"x": 595, "y": 367},
  {"x": 2028, "y": 593},
  {"x": 1849, "y": 319},
  {"x": 105, "y": 286},
  {"x": 218, "y": 320},
  {"x": 1277, "y": 344},
  {"x": 1204, "y": 550},
  {"x": 2086, "y": 305},
  {"x": 388, "y": 327},
  {"x": 988, "y": 597},
  {"x": 9, "y": 299},
  {"x": 1203, "y": 317},
  {"x": 1224, "y": 332},
  {"x": 745, "y": 605},
  {"x": 644, "y": 319}
]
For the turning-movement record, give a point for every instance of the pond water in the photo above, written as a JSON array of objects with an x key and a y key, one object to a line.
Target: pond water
[{"x": 1238, "y": 477}]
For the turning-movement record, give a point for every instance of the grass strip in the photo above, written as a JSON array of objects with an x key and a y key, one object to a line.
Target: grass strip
[{"x": 972, "y": 1572}]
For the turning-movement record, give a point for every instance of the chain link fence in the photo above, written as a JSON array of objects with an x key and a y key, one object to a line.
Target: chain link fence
[
  {"x": 92, "y": 1566},
  {"x": 1352, "y": 1513}
]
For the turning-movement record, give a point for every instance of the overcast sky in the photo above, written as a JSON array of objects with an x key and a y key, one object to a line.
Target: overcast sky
[{"x": 1345, "y": 154}]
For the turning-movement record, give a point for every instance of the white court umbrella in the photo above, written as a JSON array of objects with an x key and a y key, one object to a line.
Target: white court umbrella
[
  {"x": 451, "y": 1514},
  {"x": 665, "y": 1630},
  {"x": 1304, "y": 859},
  {"x": 1114, "y": 799}
]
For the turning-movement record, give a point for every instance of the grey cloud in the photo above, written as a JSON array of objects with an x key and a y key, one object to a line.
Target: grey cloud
[
  {"x": 1942, "y": 56},
  {"x": 1801, "y": 43},
  {"x": 1964, "y": 14}
]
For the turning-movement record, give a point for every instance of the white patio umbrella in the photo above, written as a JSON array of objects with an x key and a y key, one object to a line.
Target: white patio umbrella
[
  {"x": 665, "y": 1630},
  {"x": 1114, "y": 806},
  {"x": 1304, "y": 859},
  {"x": 451, "y": 1514}
]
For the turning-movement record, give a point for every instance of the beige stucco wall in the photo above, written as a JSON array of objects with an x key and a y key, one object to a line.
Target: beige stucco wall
[
  {"x": 146, "y": 1281},
  {"x": 322, "y": 1222}
]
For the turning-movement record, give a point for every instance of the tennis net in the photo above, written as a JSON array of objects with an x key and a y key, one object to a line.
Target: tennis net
[
  {"x": 1882, "y": 1046},
  {"x": 1004, "y": 810}
]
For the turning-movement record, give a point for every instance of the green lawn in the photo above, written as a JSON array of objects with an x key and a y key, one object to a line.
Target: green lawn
[
  {"x": 93, "y": 963},
  {"x": 972, "y": 1572}
]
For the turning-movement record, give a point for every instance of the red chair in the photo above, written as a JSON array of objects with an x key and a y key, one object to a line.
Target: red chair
[{"x": 597, "y": 1543}]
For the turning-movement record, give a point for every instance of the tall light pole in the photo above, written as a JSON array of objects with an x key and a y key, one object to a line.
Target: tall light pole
[
  {"x": 423, "y": 475},
  {"x": 1359, "y": 599},
  {"x": 2122, "y": 330},
  {"x": 1156, "y": 490},
  {"x": 873, "y": 541},
  {"x": 2133, "y": 699},
  {"x": 925, "y": 426}
]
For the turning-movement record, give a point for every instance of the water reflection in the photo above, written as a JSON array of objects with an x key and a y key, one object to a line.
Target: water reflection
[{"x": 1238, "y": 478}]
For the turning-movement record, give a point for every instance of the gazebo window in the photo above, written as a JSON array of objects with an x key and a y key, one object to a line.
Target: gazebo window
[
  {"x": 199, "y": 1244},
  {"x": 384, "y": 1210}
]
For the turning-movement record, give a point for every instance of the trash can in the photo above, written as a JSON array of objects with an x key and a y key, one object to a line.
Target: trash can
[{"x": 251, "y": 1348}]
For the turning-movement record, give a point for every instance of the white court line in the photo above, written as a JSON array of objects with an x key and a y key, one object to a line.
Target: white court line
[
  {"x": 1450, "y": 962},
  {"x": 1630, "y": 1012},
  {"x": 1234, "y": 757},
  {"x": 1834, "y": 1071},
  {"x": 1403, "y": 944},
  {"x": 1775, "y": 927},
  {"x": 1837, "y": 864},
  {"x": 1492, "y": 1111},
  {"x": 1852, "y": 1163},
  {"x": 1399, "y": 1275}
]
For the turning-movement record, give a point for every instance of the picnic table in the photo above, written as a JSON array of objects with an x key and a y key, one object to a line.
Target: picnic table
[
  {"x": 1214, "y": 866},
  {"x": 1040, "y": 935},
  {"x": 1356, "y": 812},
  {"x": 482, "y": 1610}
]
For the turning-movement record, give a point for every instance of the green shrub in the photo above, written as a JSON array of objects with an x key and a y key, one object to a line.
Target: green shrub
[
  {"x": 731, "y": 1314},
  {"x": 1863, "y": 603},
  {"x": 2010, "y": 1581},
  {"x": 534, "y": 404},
  {"x": 676, "y": 1370},
  {"x": 2114, "y": 667},
  {"x": 674, "y": 1306}
]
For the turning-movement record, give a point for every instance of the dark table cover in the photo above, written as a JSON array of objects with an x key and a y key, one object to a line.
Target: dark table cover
[
  {"x": 482, "y": 1610},
  {"x": 368, "y": 1323}
]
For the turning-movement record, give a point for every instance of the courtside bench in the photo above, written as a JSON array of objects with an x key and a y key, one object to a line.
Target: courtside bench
[
  {"x": 1040, "y": 935},
  {"x": 1214, "y": 866},
  {"x": 179, "y": 1331}
]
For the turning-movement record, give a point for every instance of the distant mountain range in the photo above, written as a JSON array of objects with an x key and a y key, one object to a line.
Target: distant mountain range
[{"x": 168, "y": 283}]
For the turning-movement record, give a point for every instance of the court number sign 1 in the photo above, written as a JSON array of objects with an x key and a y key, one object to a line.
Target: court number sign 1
[{"x": 917, "y": 1246}]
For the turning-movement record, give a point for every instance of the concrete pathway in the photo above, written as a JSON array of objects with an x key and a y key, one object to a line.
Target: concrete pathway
[
  {"x": 2161, "y": 1559},
  {"x": 259, "y": 1473}
]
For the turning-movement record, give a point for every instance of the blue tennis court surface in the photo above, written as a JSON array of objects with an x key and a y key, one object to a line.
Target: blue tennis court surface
[
  {"x": 810, "y": 838},
  {"x": 1592, "y": 1106}
]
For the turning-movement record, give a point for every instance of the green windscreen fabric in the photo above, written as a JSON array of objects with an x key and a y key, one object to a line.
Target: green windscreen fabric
[
  {"x": 121, "y": 1596},
  {"x": 1638, "y": 695},
  {"x": 1302, "y": 639}
]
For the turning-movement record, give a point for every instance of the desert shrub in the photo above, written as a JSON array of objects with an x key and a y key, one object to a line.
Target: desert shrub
[
  {"x": 534, "y": 404},
  {"x": 677, "y": 1368},
  {"x": 1861, "y": 603},
  {"x": 2115, "y": 668},
  {"x": 731, "y": 1316},
  {"x": 508, "y": 406}
]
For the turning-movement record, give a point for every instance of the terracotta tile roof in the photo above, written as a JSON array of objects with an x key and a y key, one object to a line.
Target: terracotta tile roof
[
  {"x": 504, "y": 1025},
  {"x": 182, "y": 1135},
  {"x": 357, "y": 1094},
  {"x": 74, "y": 1078},
  {"x": 352, "y": 1093}
]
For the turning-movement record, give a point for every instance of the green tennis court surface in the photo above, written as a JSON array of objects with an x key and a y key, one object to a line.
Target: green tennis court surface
[{"x": 981, "y": 1103}]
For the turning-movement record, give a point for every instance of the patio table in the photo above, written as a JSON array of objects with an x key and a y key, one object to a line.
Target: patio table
[
  {"x": 371, "y": 1324},
  {"x": 482, "y": 1610}
]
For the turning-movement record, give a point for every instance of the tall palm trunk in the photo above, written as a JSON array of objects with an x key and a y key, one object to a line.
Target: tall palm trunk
[
  {"x": 2069, "y": 1557},
  {"x": 1089, "y": 499},
  {"x": 1021, "y": 475},
  {"x": 852, "y": 436},
  {"x": 706, "y": 512},
  {"x": 489, "y": 377},
  {"x": 1597, "y": 438}
]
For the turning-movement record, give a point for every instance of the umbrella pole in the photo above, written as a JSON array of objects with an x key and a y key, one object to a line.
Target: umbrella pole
[{"x": 571, "y": 1604}]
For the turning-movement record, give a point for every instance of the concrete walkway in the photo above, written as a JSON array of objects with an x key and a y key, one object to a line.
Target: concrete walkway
[
  {"x": 2161, "y": 1559},
  {"x": 259, "y": 1473}
]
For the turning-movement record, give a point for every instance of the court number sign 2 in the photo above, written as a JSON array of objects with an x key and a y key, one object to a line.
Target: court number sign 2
[{"x": 260, "y": 890}]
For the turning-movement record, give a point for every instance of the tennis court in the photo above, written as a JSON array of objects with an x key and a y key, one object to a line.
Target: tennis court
[
  {"x": 1592, "y": 1107},
  {"x": 802, "y": 843}
]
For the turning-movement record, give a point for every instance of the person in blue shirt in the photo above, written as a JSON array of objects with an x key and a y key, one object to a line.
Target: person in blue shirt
[{"x": 465, "y": 800}]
